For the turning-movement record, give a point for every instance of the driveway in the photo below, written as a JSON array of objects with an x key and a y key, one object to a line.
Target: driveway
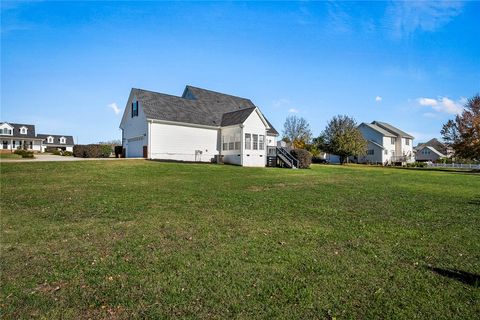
[{"x": 50, "y": 157}]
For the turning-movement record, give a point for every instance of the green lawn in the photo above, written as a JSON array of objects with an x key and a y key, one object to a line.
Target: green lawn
[
  {"x": 9, "y": 156},
  {"x": 140, "y": 239}
]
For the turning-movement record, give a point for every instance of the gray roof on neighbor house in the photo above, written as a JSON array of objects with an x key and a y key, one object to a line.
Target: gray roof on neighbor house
[
  {"x": 432, "y": 149},
  {"x": 56, "y": 139},
  {"x": 195, "y": 106},
  {"x": 378, "y": 129},
  {"x": 16, "y": 130},
  {"x": 439, "y": 146},
  {"x": 392, "y": 129}
]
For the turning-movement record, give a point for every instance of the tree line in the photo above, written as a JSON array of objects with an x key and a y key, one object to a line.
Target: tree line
[{"x": 342, "y": 137}]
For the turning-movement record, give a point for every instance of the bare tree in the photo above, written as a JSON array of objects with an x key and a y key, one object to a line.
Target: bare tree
[{"x": 296, "y": 130}]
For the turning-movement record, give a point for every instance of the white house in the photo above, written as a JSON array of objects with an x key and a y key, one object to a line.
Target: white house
[
  {"x": 199, "y": 126},
  {"x": 52, "y": 141},
  {"x": 386, "y": 144},
  {"x": 18, "y": 135}
]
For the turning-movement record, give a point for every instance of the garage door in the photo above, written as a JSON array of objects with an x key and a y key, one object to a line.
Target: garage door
[{"x": 135, "y": 148}]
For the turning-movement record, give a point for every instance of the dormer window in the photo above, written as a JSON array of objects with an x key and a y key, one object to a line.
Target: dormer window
[
  {"x": 62, "y": 140},
  {"x": 50, "y": 139},
  {"x": 6, "y": 129},
  {"x": 135, "y": 108},
  {"x": 23, "y": 130}
]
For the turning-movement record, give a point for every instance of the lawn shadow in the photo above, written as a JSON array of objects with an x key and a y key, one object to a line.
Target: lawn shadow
[
  {"x": 475, "y": 201},
  {"x": 471, "y": 279},
  {"x": 448, "y": 170}
]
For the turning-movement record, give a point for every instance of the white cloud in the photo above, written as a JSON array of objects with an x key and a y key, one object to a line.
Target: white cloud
[
  {"x": 427, "y": 102},
  {"x": 293, "y": 110},
  {"x": 442, "y": 105},
  {"x": 378, "y": 98},
  {"x": 404, "y": 18},
  {"x": 114, "y": 107}
]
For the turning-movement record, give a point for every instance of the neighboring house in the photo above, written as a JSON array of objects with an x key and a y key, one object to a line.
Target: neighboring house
[
  {"x": 427, "y": 153},
  {"x": 386, "y": 144},
  {"x": 201, "y": 126},
  {"x": 52, "y": 141},
  {"x": 432, "y": 150},
  {"x": 17, "y": 135}
]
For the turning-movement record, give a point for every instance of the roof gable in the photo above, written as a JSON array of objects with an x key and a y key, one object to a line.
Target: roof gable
[
  {"x": 378, "y": 129},
  {"x": 195, "y": 106},
  {"x": 16, "y": 130},
  {"x": 392, "y": 129}
]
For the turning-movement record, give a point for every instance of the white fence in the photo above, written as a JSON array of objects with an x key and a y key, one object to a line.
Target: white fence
[{"x": 454, "y": 165}]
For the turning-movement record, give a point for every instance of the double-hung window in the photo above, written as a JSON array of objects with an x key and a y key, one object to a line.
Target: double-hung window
[
  {"x": 231, "y": 143},
  {"x": 237, "y": 141},
  {"x": 407, "y": 142},
  {"x": 255, "y": 141},
  {"x": 370, "y": 152},
  {"x": 224, "y": 143},
  {"x": 248, "y": 141},
  {"x": 261, "y": 143},
  {"x": 392, "y": 140}
]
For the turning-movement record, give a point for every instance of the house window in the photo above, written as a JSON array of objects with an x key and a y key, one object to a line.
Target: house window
[
  {"x": 224, "y": 144},
  {"x": 255, "y": 141},
  {"x": 386, "y": 152},
  {"x": 135, "y": 109},
  {"x": 262, "y": 142},
  {"x": 62, "y": 140},
  {"x": 31, "y": 144},
  {"x": 392, "y": 140},
  {"x": 370, "y": 152},
  {"x": 23, "y": 130},
  {"x": 407, "y": 142},
  {"x": 50, "y": 139},
  {"x": 13, "y": 143},
  {"x": 231, "y": 143},
  {"x": 248, "y": 141},
  {"x": 237, "y": 141},
  {"x": 6, "y": 131}
]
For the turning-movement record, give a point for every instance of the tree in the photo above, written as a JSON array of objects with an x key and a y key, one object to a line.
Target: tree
[
  {"x": 297, "y": 131},
  {"x": 342, "y": 137},
  {"x": 463, "y": 133}
]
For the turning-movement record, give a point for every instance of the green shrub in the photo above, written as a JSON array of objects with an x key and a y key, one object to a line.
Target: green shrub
[
  {"x": 67, "y": 153},
  {"x": 417, "y": 164},
  {"x": 27, "y": 154},
  {"x": 303, "y": 156},
  {"x": 92, "y": 151},
  {"x": 57, "y": 152},
  {"x": 19, "y": 152},
  {"x": 105, "y": 150}
]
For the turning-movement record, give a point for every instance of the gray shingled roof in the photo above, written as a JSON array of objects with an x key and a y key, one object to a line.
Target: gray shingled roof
[
  {"x": 195, "y": 106},
  {"x": 379, "y": 129},
  {"x": 16, "y": 130},
  {"x": 392, "y": 129},
  {"x": 56, "y": 139},
  {"x": 236, "y": 117}
]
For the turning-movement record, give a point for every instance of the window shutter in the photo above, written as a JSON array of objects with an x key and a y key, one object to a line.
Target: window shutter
[{"x": 136, "y": 110}]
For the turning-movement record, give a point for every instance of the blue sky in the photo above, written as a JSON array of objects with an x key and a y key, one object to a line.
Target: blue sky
[{"x": 66, "y": 65}]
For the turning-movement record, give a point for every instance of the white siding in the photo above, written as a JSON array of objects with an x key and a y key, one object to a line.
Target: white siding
[
  {"x": 254, "y": 125},
  {"x": 377, "y": 156},
  {"x": 182, "y": 143},
  {"x": 231, "y": 156},
  {"x": 133, "y": 129}
]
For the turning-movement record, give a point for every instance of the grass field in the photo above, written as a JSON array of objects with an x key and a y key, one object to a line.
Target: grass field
[{"x": 140, "y": 239}]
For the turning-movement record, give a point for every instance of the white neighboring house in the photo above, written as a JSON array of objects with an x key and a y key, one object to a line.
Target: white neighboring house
[
  {"x": 428, "y": 153},
  {"x": 386, "y": 144},
  {"x": 18, "y": 135},
  {"x": 15, "y": 135},
  {"x": 199, "y": 126},
  {"x": 53, "y": 141}
]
